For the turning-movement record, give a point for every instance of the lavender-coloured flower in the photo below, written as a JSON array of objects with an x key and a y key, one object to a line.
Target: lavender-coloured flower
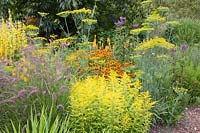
[
  {"x": 120, "y": 22},
  {"x": 34, "y": 90},
  {"x": 183, "y": 47},
  {"x": 21, "y": 93}
]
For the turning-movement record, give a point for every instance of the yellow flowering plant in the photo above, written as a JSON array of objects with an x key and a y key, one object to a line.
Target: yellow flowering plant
[
  {"x": 12, "y": 38},
  {"x": 155, "y": 42},
  {"x": 112, "y": 104}
]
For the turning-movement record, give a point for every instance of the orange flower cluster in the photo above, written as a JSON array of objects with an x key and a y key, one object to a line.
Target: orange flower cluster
[{"x": 101, "y": 63}]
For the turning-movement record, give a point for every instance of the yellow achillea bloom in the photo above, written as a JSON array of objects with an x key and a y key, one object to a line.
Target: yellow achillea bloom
[
  {"x": 154, "y": 17},
  {"x": 139, "y": 30},
  {"x": 162, "y": 8},
  {"x": 155, "y": 42},
  {"x": 78, "y": 11},
  {"x": 83, "y": 10},
  {"x": 111, "y": 102},
  {"x": 43, "y": 14}
]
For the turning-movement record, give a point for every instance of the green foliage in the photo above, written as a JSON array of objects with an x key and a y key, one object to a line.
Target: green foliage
[
  {"x": 187, "y": 72},
  {"x": 43, "y": 123},
  {"x": 109, "y": 104},
  {"x": 157, "y": 78},
  {"x": 108, "y": 12},
  {"x": 192, "y": 82},
  {"x": 37, "y": 80},
  {"x": 182, "y": 8},
  {"x": 187, "y": 32}
]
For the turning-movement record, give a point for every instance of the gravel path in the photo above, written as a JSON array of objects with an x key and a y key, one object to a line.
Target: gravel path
[{"x": 190, "y": 123}]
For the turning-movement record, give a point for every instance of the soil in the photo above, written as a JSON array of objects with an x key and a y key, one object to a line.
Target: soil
[{"x": 190, "y": 123}]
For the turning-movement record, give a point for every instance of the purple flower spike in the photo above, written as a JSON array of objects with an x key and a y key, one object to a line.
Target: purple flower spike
[
  {"x": 34, "y": 90},
  {"x": 183, "y": 47},
  {"x": 21, "y": 93},
  {"x": 53, "y": 97}
]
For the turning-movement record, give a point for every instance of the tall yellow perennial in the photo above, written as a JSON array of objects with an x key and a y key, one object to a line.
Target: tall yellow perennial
[{"x": 12, "y": 38}]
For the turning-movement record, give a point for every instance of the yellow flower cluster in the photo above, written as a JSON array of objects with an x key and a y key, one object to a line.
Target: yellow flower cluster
[
  {"x": 43, "y": 14},
  {"x": 154, "y": 17},
  {"x": 146, "y": 2},
  {"x": 89, "y": 21},
  {"x": 31, "y": 30},
  {"x": 78, "y": 11},
  {"x": 40, "y": 38},
  {"x": 155, "y": 42},
  {"x": 173, "y": 23},
  {"x": 12, "y": 38},
  {"x": 139, "y": 30},
  {"x": 111, "y": 102},
  {"x": 163, "y": 9},
  {"x": 180, "y": 90},
  {"x": 40, "y": 52},
  {"x": 31, "y": 27}
]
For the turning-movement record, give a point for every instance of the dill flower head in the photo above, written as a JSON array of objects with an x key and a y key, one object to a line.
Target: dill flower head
[
  {"x": 82, "y": 10},
  {"x": 154, "y": 17},
  {"x": 163, "y": 9},
  {"x": 139, "y": 30},
  {"x": 155, "y": 42},
  {"x": 43, "y": 14},
  {"x": 64, "y": 14}
]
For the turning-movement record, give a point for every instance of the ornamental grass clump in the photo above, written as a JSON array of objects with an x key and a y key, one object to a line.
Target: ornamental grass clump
[
  {"x": 110, "y": 104},
  {"x": 12, "y": 38}
]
